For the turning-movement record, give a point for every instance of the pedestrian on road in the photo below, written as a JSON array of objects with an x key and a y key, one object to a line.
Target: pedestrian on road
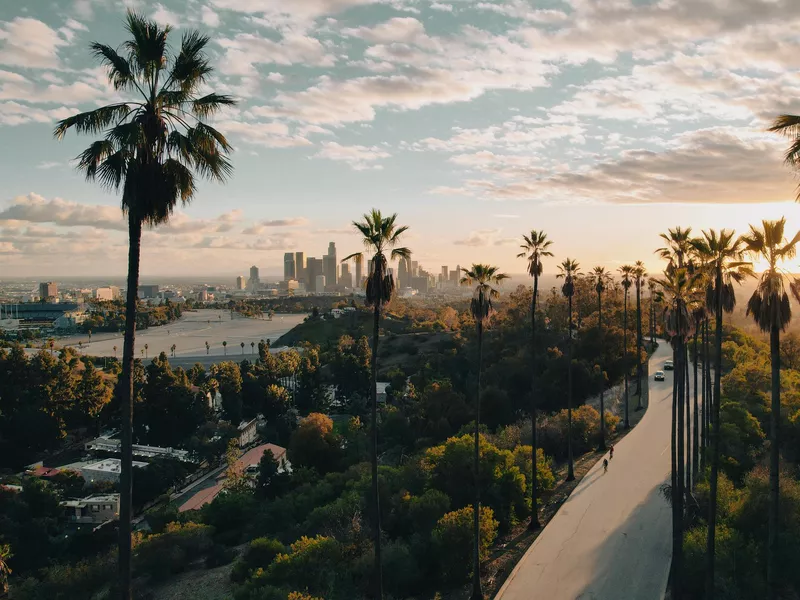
[
  {"x": 611, "y": 450},
  {"x": 605, "y": 465}
]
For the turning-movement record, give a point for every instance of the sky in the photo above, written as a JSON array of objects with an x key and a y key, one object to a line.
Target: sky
[{"x": 601, "y": 122}]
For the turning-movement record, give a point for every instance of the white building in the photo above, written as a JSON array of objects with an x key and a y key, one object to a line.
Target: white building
[
  {"x": 107, "y": 293},
  {"x": 93, "y": 509},
  {"x": 105, "y": 444},
  {"x": 108, "y": 469},
  {"x": 319, "y": 284},
  {"x": 247, "y": 432},
  {"x": 381, "y": 388}
]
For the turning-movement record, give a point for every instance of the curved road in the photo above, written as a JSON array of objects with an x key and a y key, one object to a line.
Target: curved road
[{"x": 611, "y": 540}]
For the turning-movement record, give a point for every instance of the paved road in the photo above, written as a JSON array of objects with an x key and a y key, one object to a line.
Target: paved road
[{"x": 611, "y": 539}]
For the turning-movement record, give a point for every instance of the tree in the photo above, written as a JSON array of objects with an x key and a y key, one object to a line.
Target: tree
[
  {"x": 5, "y": 570},
  {"x": 314, "y": 444},
  {"x": 601, "y": 279},
  {"x": 639, "y": 273},
  {"x": 483, "y": 277},
  {"x": 769, "y": 306},
  {"x": 534, "y": 248},
  {"x": 567, "y": 271},
  {"x": 151, "y": 149},
  {"x": 626, "y": 271},
  {"x": 379, "y": 235},
  {"x": 789, "y": 126},
  {"x": 723, "y": 256},
  {"x": 225, "y": 347},
  {"x": 242, "y": 345}
]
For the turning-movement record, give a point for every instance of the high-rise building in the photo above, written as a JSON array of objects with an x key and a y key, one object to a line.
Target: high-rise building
[
  {"x": 329, "y": 266},
  {"x": 300, "y": 266},
  {"x": 414, "y": 268},
  {"x": 346, "y": 277},
  {"x": 241, "y": 283},
  {"x": 288, "y": 266},
  {"x": 319, "y": 283},
  {"x": 313, "y": 268},
  {"x": 445, "y": 274},
  {"x": 254, "y": 280},
  {"x": 403, "y": 276},
  {"x": 48, "y": 289},
  {"x": 358, "y": 273}
]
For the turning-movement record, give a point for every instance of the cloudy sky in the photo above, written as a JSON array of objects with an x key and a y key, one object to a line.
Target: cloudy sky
[{"x": 603, "y": 122}]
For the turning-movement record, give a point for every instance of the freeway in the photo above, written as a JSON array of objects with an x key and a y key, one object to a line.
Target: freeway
[{"x": 611, "y": 540}]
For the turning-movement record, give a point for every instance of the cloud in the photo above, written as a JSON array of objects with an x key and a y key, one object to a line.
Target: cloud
[
  {"x": 163, "y": 16},
  {"x": 358, "y": 157},
  {"x": 34, "y": 208},
  {"x": 49, "y": 165},
  {"x": 283, "y": 14},
  {"x": 399, "y": 29},
  {"x": 209, "y": 17},
  {"x": 29, "y": 43},
  {"x": 246, "y": 50},
  {"x": 261, "y": 226},
  {"x": 485, "y": 237},
  {"x": 272, "y": 134}
]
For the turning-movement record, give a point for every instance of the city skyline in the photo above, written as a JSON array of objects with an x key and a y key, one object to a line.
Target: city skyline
[{"x": 475, "y": 122}]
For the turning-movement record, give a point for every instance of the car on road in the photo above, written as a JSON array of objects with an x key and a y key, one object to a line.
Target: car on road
[
  {"x": 659, "y": 376},
  {"x": 668, "y": 365}
]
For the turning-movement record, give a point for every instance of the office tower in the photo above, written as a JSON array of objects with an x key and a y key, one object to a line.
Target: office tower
[
  {"x": 313, "y": 268},
  {"x": 445, "y": 274},
  {"x": 329, "y": 266},
  {"x": 319, "y": 283},
  {"x": 254, "y": 275},
  {"x": 148, "y": 291},
  {"x": 288, "y": 266},
  {"x": 48, "y": 289},
  {"x": 241, "y": 283},
  {"x": 346, "y": 277},
  {"x": 414, "y": 268},
  {"x": 402, "y": 274},
  {"x": 358, "y": 272},
  {"x": 300, "y": 266}
]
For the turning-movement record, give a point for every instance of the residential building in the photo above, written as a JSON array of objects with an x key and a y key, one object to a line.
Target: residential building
[
  {"x": 92, "y": 510},
  {"x": 247, "y": 432},
  {"x": 112, "y": 446},
  {"x": 319, "y": 284},
  {"x": 108, "y": 469},
  {"x": 107, "y": 293},
  {"x": 300, "y": 267},
  {"x": 241, "y": 283},
  {"x": 288, "y": 266},
  {"x": 381, "y": 389},
  {"x": 148, "y": 291},
  {"x": 48, "y": 289}
]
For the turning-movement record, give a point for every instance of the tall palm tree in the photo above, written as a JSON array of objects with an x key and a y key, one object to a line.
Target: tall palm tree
[
  {"x": 568, "y": 270},
  {"x": 483, "y": 277},
  {"x": 723, "y": 254},
  {"x": 639, "y": 273},
  {"x": 5, "y": 570},
  {"x": 770, "y": 309},
  {"x": 601, "y": 278},
  {"x": 534, "y": 248},
  {"x": 627, "y": 272},
  {"x": 677, "y": 284},
  {"x": 242, "y": 345},
  {"x": 380, "y": 235},
  {"x": 652, "y": 286},
  {"x": 225, "y": 347},
  {"x": 151, "y": 148}
]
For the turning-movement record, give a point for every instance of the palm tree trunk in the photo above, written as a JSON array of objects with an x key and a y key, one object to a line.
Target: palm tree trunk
[
  {"x": 639, "y": 366},
  {"x": 695, "y": 421},
  {"x": 625, "y": 356},
  {"x": 704, "y": 374},
  {"x": 570, "y": 466},
  {"x": 676, "y": 533},
  {"x": 378, "y": 574},
  {"x": 602, "y": 446},
  {"x": 477, "y": 592},
  {"x": 126, "y": 407},
  {"x": 688, "y": 420},
  {"x": 709, "y": 389},
  {"x": 677, "y": 550},
  {"x": 774, "y": 463},
  {"x": 715, "y": 406},
  {"x": 534, "y": 524}
]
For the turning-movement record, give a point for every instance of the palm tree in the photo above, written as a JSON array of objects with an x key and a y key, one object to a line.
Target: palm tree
[
  {"x": 789, "y": 126},
  {"x": 115, "y": 352},
  {"x": 722, "y": 255},
  {"x": 173, "y": 347},
  {"x": 225, "y": 348},
  {"x": 626, "y": 271},
  {"x": 242, "y": 345},
  {"x": 207, "y": 347},
  {"x": 52, "y": 344},
  {"x": 533, "y": 250},
  {"x": 146, "y": 348},
  {"x": 380, "y": 235},
  {"x": 483, "y": 277},
  {"x": 601, "y": 278},
  {"x": 677, "y": 284},
  {"x": 5, "y": 570},
  {"x": 252, "y": 347},
  {"x": 568, "y": 270},
  {"x": 639, "y": 273},
  {"x": 152, "y": 147},
  {"x": 772, "y": 312}
]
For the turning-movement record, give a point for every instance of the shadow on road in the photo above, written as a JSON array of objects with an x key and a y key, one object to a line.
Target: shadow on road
[{"x": 621, "y": 570}]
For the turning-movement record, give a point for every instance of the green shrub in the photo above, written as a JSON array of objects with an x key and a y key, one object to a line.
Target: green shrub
[
  {"x": 401, "y": 572},
  {"x": 259, "y": 555},
  {"x": 315, "y": 563},
  {"x": 453, "y": 539},
  {"x": 425, "y": 511},
  {"x": 544, "y": 468},
  {"x": 219, "y": 555},
  {"x": 161, "y": 555}
]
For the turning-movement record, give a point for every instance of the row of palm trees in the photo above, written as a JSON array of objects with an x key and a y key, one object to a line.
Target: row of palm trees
[{"x": 699, "y": 283}]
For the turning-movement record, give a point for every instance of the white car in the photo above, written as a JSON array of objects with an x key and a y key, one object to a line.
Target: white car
[{"x": 659, "y": 376}]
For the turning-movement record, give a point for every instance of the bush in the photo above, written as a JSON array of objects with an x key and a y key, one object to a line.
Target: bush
[
  {"x": 259, "y": 555},
  {"x": 553, "y": 431},
  {"x": 425, "y": 511},
  {"x": 219, "y": 555},
  {"x": 164, "y": 554},
  {"x": 453, "y": 539},
  {"x": 544, "y": 468},
  {"x": 315, "y": 563},
  {"x": 401, "y": 572}
]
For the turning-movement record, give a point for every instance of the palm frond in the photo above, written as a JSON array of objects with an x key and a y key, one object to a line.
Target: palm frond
[
  {"x": 210, "y": 104},
  {"x": 92, "y": 122},
  {"x": 191, "y": 67},
  {"x": 120, "y": 74}
]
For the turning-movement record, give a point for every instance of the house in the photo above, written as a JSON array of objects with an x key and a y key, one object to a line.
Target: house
[
  {"x": 381, "y": 388},
  {"x": 44, "y": 472},
  {"x": 248, "y": 464},
  {"x": 92, "y": 510},
  {"x": 108, "y": 469},
  {"x": 247, "y": 432}
]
